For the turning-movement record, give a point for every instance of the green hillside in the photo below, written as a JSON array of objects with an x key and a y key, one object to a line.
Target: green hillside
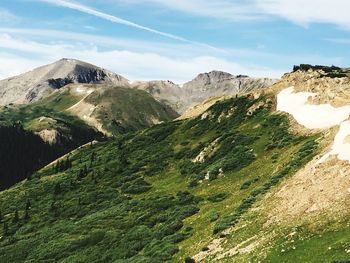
[
  {"x": 116, "y": 109},
  {"x": 49, "y": 114},
  {"x": 142, "y": 198}
]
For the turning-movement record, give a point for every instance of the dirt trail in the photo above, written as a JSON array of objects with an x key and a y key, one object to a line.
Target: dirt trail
[{"x": 85, "y": 110}]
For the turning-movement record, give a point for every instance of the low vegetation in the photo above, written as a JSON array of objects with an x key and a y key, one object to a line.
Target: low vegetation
[
  {"x": 142, "y": 198},
  {"x": 330, "y": 72}
]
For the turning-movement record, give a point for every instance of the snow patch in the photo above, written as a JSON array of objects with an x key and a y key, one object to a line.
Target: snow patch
[
  {"x": 311, "y": 116},
  {"x": 82, "y": 90},
  {"x": 341, "y": 147},
  {"x": 318, "y": 117}
]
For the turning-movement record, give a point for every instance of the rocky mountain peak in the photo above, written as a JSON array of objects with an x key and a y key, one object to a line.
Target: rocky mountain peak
[
  {"x": 212, "y": 77},
  {"x": 40, "y": 82}
]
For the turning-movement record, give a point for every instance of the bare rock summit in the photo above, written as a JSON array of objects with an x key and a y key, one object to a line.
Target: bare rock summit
[{"x": 40, "y": 82}]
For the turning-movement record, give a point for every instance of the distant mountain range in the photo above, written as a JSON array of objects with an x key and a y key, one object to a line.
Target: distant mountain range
[
  {"x": 70, "y": 102},
  {"x": 41, "y": 82}
]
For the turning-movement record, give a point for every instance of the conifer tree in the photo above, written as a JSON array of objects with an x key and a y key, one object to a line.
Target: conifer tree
[
  {"x": 93, "y": 157},
  {"x": 57, "y": 189},
  {"x": 85, "y": 172},
  {"x": 57, "y": 166},
  {"x": 16, "y": 217},
  {"x": 80, "y": 174},
  {"x": 28, "y": 204},
  {"x": 5, "y": 229},
  {"x": 26, "y": 214}
]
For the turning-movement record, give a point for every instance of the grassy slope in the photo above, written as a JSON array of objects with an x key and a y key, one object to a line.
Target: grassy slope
[
  {"x": 119, "y": 110},
  {"x": 141, "y": 198},
  {"x": 124, "y": 109},
  {"x": 51, "y": 107}
]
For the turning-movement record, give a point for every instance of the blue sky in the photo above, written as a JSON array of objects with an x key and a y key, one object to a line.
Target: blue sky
[{"x": 175, "y": 39}]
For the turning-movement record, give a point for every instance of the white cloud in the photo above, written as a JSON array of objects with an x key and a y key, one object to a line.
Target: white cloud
[
  {"x": 6, "y": 15},
  {"x": 12, "y": 65},
  {"x": 111, "y": 18},
  {"x": 305, "y": 12},
  {"x": 226, "y": 9},
  {"x": 124, "y": 43},
  {"x": 302, "y": 12},
  {"x": 135, "y": 65}
]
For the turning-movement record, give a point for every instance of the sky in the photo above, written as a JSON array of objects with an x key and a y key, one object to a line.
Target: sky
[{"x": 175, "y": 39}]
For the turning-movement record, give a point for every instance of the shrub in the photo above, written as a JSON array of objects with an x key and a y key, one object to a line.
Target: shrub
[
  {"x": 217, "y": 197},
  {"x": 189, "y": 260}
]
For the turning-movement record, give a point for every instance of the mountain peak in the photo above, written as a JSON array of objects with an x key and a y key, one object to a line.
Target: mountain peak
[
  {"x": 215, "y": 74},
  {"x": 40, "y": 82}
]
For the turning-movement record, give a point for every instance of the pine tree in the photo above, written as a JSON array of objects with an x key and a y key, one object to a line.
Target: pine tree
[
  {"x": 57, "y": 166},
  {"x": 52, "y": 206},
  {"x": 28, "y": 204},
  {"x": 26, "y": 214},
  {"x": 92, "y": 159},
  {"x": 5, "y": 229},
  {"x": 57, "y": 189},
  {"x": 80, "y": 175},
  {"x": 62, "y": 166},
  {"x": 66, "y": 164},
  {"x": 29, "y": 176},
  {"x": 85, "y": 172},
  {"x": 16, "y": 217},
  {"x": 0, "y": 217}
]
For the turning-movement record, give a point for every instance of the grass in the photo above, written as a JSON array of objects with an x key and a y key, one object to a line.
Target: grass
[{"x": 129, "y": 197}]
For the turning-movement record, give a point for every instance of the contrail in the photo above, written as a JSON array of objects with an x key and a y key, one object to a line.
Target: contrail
[{"x": 118, "y": 20}]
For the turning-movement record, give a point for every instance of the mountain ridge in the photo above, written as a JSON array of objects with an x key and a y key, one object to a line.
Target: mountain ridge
[{"x": 42, "y": 81}]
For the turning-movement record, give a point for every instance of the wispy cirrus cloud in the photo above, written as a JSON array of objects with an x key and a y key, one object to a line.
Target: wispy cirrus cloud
[
  {"x": 120, "y": 42},
  {"x": 136, "y": 64},
  {"x": 223, "y": 9},
  {"x": 305, "y": 12},
  {"x": 6, "y": 15},
  {"x": 298, "y": 11},
  {"x": 114, "y": 19}
]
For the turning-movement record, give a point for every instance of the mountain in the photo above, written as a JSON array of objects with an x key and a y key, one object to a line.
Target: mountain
[
  {"x": 70, "y": 117},
  {"x": 156, "y": 195},
  {"x": 106, "y": 108},
  {"x": 201, "y": 88},
  {"x": 257, "y": 177},
  {"x": 40, "y": 82},
  {"x": 218, "y": 83},
  {"x": 167, "y": 92}
]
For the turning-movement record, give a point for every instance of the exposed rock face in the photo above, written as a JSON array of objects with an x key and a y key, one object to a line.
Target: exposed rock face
[
  {"x": 164, "y": 91},
  {"x": 40, "y": 82},
  {"x": 200, "y": 89},
  {"x": 218, "y": 83},
  {"x": 49, "y": 135}
]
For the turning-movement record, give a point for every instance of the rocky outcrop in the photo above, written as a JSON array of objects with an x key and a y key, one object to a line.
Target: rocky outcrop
[
  {"x": 40, "y": 82},
  {"x": 201, "y": 88},
  {"x": 218, "y": 83},
  {"x": 165, "y": 91}
]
